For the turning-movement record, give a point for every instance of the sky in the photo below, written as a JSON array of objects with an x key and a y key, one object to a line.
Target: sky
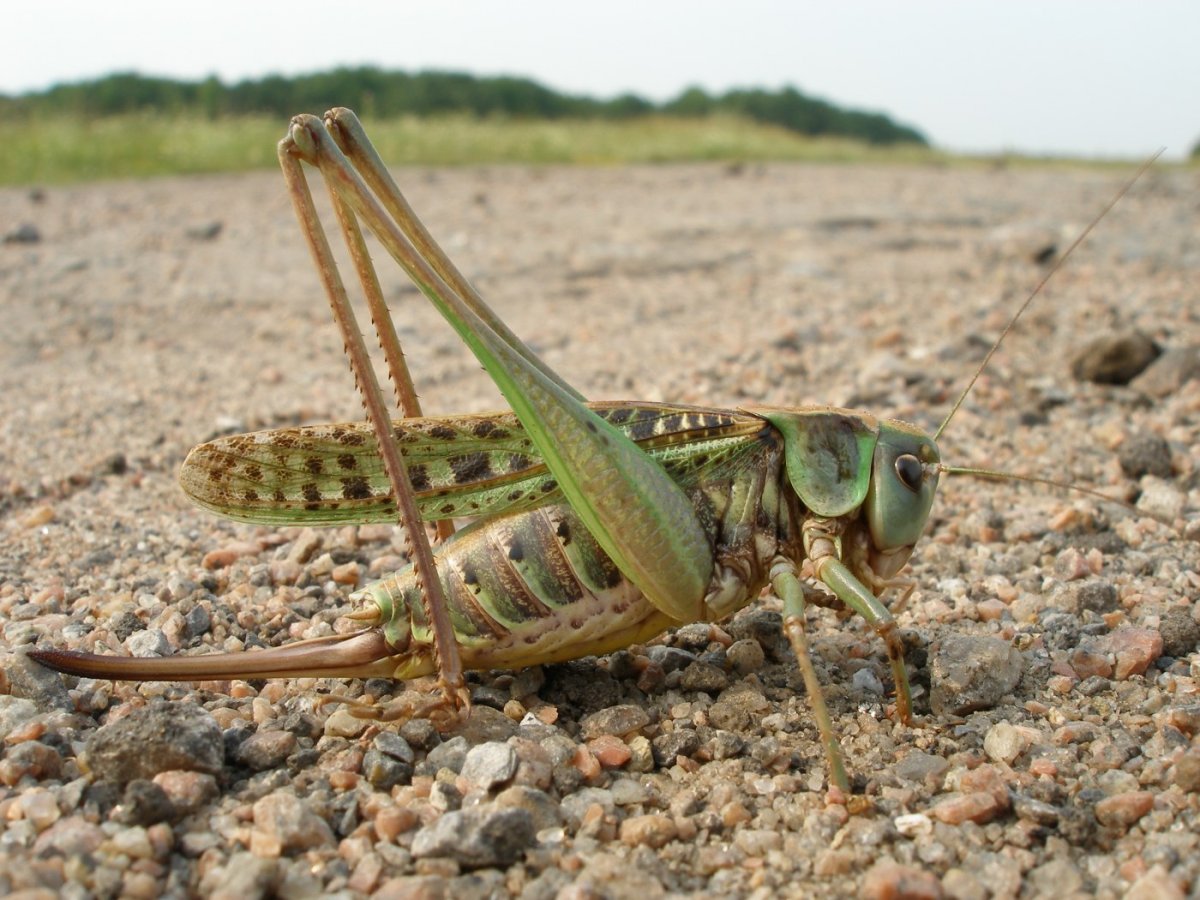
[{"x": 1108, "y": 78}]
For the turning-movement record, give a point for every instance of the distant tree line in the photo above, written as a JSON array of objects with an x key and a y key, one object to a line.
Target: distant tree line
[{"x": 375, "y": 92}]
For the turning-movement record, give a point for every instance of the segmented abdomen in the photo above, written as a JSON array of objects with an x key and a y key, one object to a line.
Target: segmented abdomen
[{"x": 535, "y": 587}]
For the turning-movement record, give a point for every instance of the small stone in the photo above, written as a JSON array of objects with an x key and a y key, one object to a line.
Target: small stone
[
  {"x": 449, "y": 755},
  {"x": 1155, "y": 884},
  {"x": 343, "y": 723},
  {"x": 745, "y": 656},
  {"x": 1180, "y": 632},
  {"x": 1036, "y": 811},
  {"x": 1161, "y": 498},
  {"x": 24, "y": 233},
  {"x": 1135, "y": 649},
  {"x": 477, "y": 837},
  {"x": 978, "y": 807},
  {"x": 39, "y": 807},
  {"x": 615, "y": 720},
  {"x": 187, "y": 791},
  {"x": 866, "y": 680},
  {"x": 627, "y": 792},
  {"x": 1003, "y": 743},
  {"x": 653, "y": 830},
  {"x": 385, "y": 772},
  {"x": 30, "y": 759},
  {"x": 38, "y": 516},
  {"x": 157, "y": 739},
  {"x": 1114, "y": 358},
  {"x": 641, "y": 752},
  {"x": 701, "y": 676},
  {"x": 970, "y": 673},
  {"x": 1087, "y": 663},
  {"x": 1169, "y": 372},
  {"x": 913, "y": 824},
  {"x": 392, "y": 821},
  {"x": 887, "y": 880},
  {"x": 1145, "y": 453},
  {"x": 1187, "y": 772},
  {"x": 757, "y": 842},
  {"x": 265, "y": 750},
  {"x": 681, "y": 742},
  {"x": 1123, "y": 810},
  {"x": 1097, "y": 596},
  {"x": 284, "y": 571},
  {"x": 226, "y": 556},
  {"x": 14, "y": 712},
  {"x": 348, "y": 573},
  {"x": 542, "y": 808},
  {"x": 610, "y": 751},
  {"x": 144, "y": 803},
  {"x": 923, "y": 768},
  {"x": 1055, "y": 878},
  {"x": 490, "y": 764},
  {"x": 287, "y": 821}
]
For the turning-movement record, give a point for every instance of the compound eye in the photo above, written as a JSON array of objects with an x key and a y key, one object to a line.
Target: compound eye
[{"x": 910, "y": 471}]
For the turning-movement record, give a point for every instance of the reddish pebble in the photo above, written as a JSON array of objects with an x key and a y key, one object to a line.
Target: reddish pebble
[
  {"x": 587, "y": 764},
  {"x": 225, "y": 556},
  {"x": 990, "y": 610},
  {"x": 1122, "y": 810},
  {"x": 987, "y": 779},
  {"x": 652, "y": 830},
  {"x": 610, "y": 751},
  {"x": 1043, "y": 766},
  {"x": 346, "y": 574},
  {"x": 978, "y": 807},
  {"x": 891, "y": 881},
  {"x": 1087, "y": 663},
  {"x": 1135, "y": 649},
  {"x": 188, "y": 790},
  {"x": 393, "y": 821}
]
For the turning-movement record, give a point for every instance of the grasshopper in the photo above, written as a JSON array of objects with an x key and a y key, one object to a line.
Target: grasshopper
[{"x": 596, "y": 525}]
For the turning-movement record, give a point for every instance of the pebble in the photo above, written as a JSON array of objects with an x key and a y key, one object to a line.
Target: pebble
[
  {"x": 1004, "y": 743},
  {"x": 972, "y": 672},
  {"x": 1135, "y": 649},
  {"x": 1122, "y": 810},
  {"x": 393, "y": 821},
  {"x": 187, "y": 791},
  {"x": 978, "y": 807},
  {"x": 157, "y": 739},
  {"x": 226, "y": 556},
  {"x": 610, "y": 751},
  {"x": 702, "y": 676},
  {"x": 283, "y": 823},
  {"x": 477, "y": 837},
  {"x": 343, "y": 723},
  {"x": 490, "y": 764},
  {"x": 651, "y": 830},
  {"x": 542, "y": 808},
  {"x": 887, "y": 880},
  {"x": 1167, "y": 374},
  {"x": 1155, "y": 884},
  {"x": 922, "y": 767},
  {"x": 1114, "y": 358},
  {"x": 615, "y": 720},
  {"x": 745, "y": 656},
  {"x": 1187, "y": 772},
  {"x": 1145, "y": 453},
  {"x": 265, "y": 750},
  {"x": 14, "y": 712}
]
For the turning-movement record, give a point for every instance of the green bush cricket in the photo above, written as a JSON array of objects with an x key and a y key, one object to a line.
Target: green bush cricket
[{"x": 596, "y": 525}]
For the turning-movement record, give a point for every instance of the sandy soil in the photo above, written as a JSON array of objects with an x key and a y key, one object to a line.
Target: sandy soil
[{"x": 151, "y": 316}]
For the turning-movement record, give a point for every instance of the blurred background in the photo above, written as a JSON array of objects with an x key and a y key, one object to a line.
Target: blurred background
[{"x": 116, "y": 90}]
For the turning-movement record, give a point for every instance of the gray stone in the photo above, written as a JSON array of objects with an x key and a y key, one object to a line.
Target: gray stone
[
  {"x": 490, "y": 764},
  {"x": 970, "y": 673},
  {"x": 1145, "y": 453},
  {"x": 616, "y": 720},
  {"x": 477, "y": 837},
  {"x": 157, "y": 739}
]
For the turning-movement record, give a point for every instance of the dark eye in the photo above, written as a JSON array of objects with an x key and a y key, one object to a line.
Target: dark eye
[{"x": 910, "y": 471}]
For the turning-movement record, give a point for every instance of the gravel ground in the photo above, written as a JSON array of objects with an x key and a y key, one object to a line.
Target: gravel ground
[{"x": 1052, "y": 639}]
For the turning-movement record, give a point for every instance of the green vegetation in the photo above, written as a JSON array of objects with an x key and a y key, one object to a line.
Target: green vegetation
[
  {"x": 62, "y": 149},
  {"x": 129, "y": 125}
]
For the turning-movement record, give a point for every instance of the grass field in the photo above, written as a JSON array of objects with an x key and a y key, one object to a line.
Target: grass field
[{"x": 58, "y": 150}]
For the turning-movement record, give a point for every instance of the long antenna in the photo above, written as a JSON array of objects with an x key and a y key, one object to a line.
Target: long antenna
[
  {"x": 1041, "y": 284},
  {"x": 998, "y": 475}
]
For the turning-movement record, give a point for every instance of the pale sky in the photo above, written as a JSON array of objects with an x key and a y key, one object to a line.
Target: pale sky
[{"x": 1078, "y": 77}]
